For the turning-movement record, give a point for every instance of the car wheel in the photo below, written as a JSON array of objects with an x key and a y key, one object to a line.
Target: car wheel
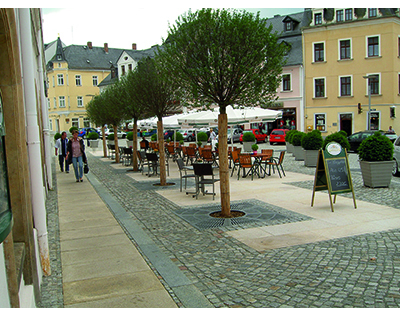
[
  {"x": 271, "y": 143},
  {"x": 189, "y": 139},
  {"x": 395, "y": 171}
]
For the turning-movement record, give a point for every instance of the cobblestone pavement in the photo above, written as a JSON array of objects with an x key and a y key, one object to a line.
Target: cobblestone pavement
[{"x": 359, "y": 271}]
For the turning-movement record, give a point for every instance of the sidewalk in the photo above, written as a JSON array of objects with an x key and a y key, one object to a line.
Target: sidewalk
[{"x": 100, "y": 265}]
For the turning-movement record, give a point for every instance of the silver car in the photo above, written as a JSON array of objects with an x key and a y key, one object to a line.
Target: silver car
[
  {"x": 235, "y": 133},
  {"x": 396, "y": 158}
]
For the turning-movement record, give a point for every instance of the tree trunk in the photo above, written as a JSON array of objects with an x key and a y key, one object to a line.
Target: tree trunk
[
  {"x": 160, "y": 134},
  {"x": 116, "y": 145},
  {"x": 135, "y": 147},
  {"x": 103, "y": 129},
  {"x": 223, "y": 164}
]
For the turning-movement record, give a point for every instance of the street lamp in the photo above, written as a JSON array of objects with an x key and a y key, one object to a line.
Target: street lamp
[{"x": 369, "y": 98}]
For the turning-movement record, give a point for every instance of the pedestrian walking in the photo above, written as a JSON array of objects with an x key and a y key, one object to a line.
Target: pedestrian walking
[
  {"x": 61, "y": 152},
  {"x": 391, "y": 130},
  {"x": 213, "y": 138},
  {"x": 76, "y": 155}
]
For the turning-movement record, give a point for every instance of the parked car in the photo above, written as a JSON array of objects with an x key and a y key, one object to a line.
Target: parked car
[
  {"x": 356, "y": 138},
  {"x": 391, "y": 136},
  {"x": 169, "y": 134},
  {"x": 235, "y": 132},
  {"x": 84, "y": 131},
  {"x": 260, "y": 137},
  {"x": 147, "y": 133},
  {"x": 278, "y": 136},
  {"x": 188, "y": 135},
  {"x": 396, "y": 157}
]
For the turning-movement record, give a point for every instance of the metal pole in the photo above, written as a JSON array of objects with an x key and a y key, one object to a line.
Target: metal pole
[{"x": 369, "y": 104}]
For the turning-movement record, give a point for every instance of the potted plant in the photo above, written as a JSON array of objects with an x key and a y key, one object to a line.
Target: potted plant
[
  {"x": 248, "y": 140},
  {"x": 153, "y": 137},
  {"x": 376, "y": 160},
  {"x": 312, "y": 142},
  {"x": 57, "y": 136},
  {"x": 110, "y": 139},
  {"x": 202, "y": 137},
  {"x": 73, "y": 128},
  {"x": 298, "y": 151},
  {"x": 254, "y": 147},
  {"x": 129, "y": 139},
  {"x": 93, "y": 138},
  {"x": 288, "y": 140},
  {"x": 338, "y": 137}
]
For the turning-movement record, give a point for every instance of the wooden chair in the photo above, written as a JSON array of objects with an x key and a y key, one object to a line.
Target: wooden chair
[
  {"x": 208, "y": 156},
  {"x": 111, "y": 150},
  {"x": 277, "y": 162},
  {"x": 170, "y": 151},
  {"x": 191, "y": 155},
  {"x": 235, "y": 159},
  {"x": 245, "y": 162}
]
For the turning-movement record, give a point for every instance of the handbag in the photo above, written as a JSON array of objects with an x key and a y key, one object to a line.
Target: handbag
[{"x": 85, "y": 168}]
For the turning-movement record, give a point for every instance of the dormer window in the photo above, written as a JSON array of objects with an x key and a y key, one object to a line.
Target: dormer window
[
  {"x": 289, "y": 26},
  {"x": 318, "y": 18}
]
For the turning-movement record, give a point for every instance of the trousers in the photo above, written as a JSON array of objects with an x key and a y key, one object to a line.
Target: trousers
[
  {"x": 62, "y": 161},
  {"x": 77, "y": 162}
]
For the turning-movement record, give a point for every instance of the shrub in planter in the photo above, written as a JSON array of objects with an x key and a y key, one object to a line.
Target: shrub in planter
[
  {"x": 110, "y": 136},
  {"x": 337, "y": 137},
  {"x": 154, "y": 137},
  {"x": 179, "y": 137},
  {"x": 254, "y": 147},
  {"x": 376, "y": 160},
  {"x": 129, "y": 136},
  {"x": 57, "y": 136},
  {"x": 202, "y": 136},
  {"x": 93, "y": 136},
  {"x": 311, "y": 144},
  {"x": 296, "y": 142},
  {"x": 73, "y": 128},
  {"x": 248, "y": 140},
  {"x": 289, "y": 135}
]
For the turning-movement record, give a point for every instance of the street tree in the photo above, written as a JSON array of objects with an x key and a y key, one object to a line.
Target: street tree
[
  {"x": 223, "y": 57},
  {"x": 96, "y": 113},
  {"x": 156, "y": 94}
]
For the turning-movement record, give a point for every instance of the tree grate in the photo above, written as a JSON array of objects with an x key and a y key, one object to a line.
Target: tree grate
[{"x": 257, "y": 213}]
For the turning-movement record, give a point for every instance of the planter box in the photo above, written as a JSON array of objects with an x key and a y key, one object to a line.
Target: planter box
[
  {"x": 289, "y": 148},
  {"x": 129, "y": 143},
  {"x": 298, "y": 153},
  {"x": 376, "y": 174},
  {"x": 111, "y": 142},
  {"x": 247, "y": 147},
  {"x": 94, "y": 143},
  {"x": 310, "y": 158}
]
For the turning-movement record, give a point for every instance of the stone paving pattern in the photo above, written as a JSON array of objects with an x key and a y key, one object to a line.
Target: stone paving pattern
[{"x": 359, "y": 271}]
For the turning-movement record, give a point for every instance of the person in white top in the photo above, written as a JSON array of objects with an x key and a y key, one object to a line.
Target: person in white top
[
  {"x": 213, "y": 138},
  {"x": 61, "y": 151}
]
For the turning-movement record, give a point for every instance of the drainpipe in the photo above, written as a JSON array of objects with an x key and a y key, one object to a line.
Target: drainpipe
[
  {"x": 45, "y": 115},
  {"x": 33, "y": 137}
]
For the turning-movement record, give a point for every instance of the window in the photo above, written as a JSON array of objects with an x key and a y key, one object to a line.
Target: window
[
  {"x": 399, "y": 47},
  {"x": 61, "y": 101},
  {"x": 75, "y": 122},
  {"x": 373, "y": 82},
  {"x": 348, "y": 15},
  {"x": 399, "y": 83},
  {"x": 78, "y": 80},
  {"x": 320, "y": 122},
  {"x": 95, "y": 81},
  {"x": 48, "y": 103},
  {"x": 86, "y": 122},
  {"x": 345, "y": 49},
  {"x": 373, "y": 46},
  {"x": 318, "y": 18},
  {"x": 374, "y": 121},
  {"x": 339, "y": 16},
  {"x": 80, "y": 102},
  {"x": 130, "y": 67},
  {"x": 372, "y": 13},
  {"x": 60, "y": 79},
  {"x": 55, "y": 102},
  {"x": 122, "y": 70},
  {"x": 345, "y": 86},
  {"x": 319, "y": 52},
  {"x": 288, "y": 26},
  {"x": 319, "y": 87},
  {"x": 286, "y": 85},
  {"x": 54, "y": 82}
]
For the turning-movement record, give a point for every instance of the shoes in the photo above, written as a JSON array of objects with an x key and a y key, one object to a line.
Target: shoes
[
  {"x": 81, "y": 180},
  {"x": 67, "y": 171},
  {"x": 77, "y": 180}
]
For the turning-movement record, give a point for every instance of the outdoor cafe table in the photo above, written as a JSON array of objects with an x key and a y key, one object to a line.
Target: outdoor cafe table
[{"x": 258, "y": 168}]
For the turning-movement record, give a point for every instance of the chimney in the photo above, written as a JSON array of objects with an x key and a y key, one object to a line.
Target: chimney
[
  {"x": 106, "y": 47},
  {"x": 134, "y": 46},
  {"x": 89, "y": 44}
]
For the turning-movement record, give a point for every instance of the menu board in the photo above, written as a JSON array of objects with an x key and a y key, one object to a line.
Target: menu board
[{"x": 338, "y": 175}]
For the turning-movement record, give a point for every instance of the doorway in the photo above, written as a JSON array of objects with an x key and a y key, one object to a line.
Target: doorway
[{"x": 346, "y": 123}]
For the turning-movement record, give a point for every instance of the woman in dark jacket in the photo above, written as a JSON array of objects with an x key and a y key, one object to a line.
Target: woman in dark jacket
[{"x": 76, "y": 155}]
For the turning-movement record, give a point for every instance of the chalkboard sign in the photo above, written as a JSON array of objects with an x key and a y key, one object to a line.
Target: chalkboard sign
[
  {"x": 338, "y": 175},
  {"x": 333, "y": 172}
]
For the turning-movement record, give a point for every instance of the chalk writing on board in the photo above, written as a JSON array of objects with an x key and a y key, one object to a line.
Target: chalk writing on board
[{"x": 338, "y": 175}]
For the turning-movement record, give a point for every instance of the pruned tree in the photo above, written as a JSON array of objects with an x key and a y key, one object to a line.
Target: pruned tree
[
  {"x": 156, "y": 94},
  {"x": 223, "y": 57},
  {"x": 96, "y": 113}
]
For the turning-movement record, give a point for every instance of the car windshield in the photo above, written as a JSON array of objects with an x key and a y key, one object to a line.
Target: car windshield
[{"x": 277, "y": 133}]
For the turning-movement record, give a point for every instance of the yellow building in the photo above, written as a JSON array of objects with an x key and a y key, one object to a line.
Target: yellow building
[
  {"x": 346, "y": 52},
  {"x": 73, "y": 75}
]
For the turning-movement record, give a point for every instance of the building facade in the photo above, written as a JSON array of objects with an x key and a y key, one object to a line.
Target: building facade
[
  {"x": 291, "y": 90},
  {"x": 352, "y": 69},
  {"x": 76, "y": 73},
  {"x": 25, "y": 158}
]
